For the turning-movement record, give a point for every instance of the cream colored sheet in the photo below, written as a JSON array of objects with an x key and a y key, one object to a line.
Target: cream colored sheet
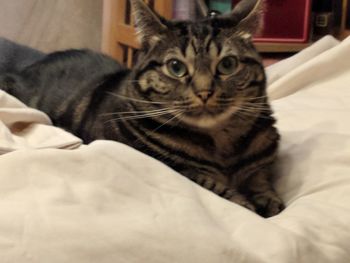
[
  {"x": 106, "y": 202},
  {"x": 25, "y": 128}
]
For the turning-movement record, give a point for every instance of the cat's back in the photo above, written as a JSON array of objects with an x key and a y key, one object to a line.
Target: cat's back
[
  {"x": 61, "y": 75},
  {"x": 67, "y": 85},
  {"x": 73, "y": 63}
]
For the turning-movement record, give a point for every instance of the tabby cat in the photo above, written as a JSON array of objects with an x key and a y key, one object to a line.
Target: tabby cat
[{"x": 195, "y": 100}]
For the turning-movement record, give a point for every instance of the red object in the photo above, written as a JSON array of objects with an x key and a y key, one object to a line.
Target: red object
[{"x": 285, "y": 21}]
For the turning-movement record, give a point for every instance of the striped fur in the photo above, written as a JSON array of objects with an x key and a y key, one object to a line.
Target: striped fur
[{"x": 214, "y": 128}]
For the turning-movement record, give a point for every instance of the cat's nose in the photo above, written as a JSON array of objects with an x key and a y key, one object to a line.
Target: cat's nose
[{"x": 204, "y": 95}]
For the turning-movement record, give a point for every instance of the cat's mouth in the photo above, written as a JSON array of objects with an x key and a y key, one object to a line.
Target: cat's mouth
[
  {"x": 207, "y": 116},
  {"x": 204, "y": 110}
]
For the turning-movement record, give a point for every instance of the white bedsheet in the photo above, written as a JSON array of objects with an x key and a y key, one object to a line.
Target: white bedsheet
[{"x": 106, "y": 202}]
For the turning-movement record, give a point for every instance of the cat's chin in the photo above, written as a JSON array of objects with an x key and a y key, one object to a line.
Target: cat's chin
[{"x": 208, "y": 120}]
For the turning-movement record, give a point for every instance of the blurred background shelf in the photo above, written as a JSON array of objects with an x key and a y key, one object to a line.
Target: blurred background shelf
[
  {"x": 119, "y": 40},
  {"x": 281, "y": 47},
  {"x": 344, "y": 34}
]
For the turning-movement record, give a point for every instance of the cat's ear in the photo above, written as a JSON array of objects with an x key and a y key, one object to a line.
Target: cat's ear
[
  {"x": 249, "y": 13},
  {"x": 202, "y": 8},
  {"x": 149, "y": 25}
]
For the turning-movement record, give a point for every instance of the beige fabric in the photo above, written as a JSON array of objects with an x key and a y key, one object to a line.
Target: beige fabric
[
  {"x": 279, "y": 70},
  {"x": 25, "y": 128},
  {"x": 106, "y": 202}
]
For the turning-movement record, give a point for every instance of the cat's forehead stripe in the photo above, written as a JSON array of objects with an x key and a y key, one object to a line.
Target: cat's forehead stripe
[
  {"x": 194, "y": 45},
  {"x": 201, "y": 37}
]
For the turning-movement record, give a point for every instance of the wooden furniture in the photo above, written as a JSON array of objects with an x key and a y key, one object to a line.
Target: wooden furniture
[
  {"x": 343, "y": 32},
  {"x": 118, "y": 34},
  {"x": 119, "y": 39}
]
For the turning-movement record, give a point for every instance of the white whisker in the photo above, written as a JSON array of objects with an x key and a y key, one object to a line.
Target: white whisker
[
  {"x": 139, "y": 112},
  {"x": 245, "y": 113},
  {"x": 136, "y": 100},
  {"x": 142, "y": 116},
  {"x": 176, "y": 116}
]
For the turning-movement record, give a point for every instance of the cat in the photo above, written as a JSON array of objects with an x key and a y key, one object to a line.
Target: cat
[{"x": 196, "y": 100}]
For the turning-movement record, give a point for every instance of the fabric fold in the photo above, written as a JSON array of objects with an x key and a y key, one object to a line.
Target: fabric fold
[{"x": 22, "y": 127}]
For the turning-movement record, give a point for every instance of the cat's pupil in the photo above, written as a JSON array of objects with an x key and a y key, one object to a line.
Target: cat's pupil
[
  {"x": 176, "y": 66},
  {"x": 227, "y": 63}
]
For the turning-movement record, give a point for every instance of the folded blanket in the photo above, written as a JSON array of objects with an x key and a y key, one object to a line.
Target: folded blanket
[
  {"x": 25, "y": 128},
  {"x": 106, "y": 202}
]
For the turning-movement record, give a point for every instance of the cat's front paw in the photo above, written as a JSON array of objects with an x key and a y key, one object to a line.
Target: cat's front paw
[
  {"x": 268, "y": 204},
  {"x": 241, "y": 200}
]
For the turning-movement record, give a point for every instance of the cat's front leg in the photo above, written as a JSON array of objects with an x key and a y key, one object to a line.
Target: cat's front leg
[
  {"x": 222, "y": 190},
  {"x": 259, "y": 190},
  {"x": 236, "y": 197}
]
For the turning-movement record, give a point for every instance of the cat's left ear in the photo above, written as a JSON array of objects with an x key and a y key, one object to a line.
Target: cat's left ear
[
  {"x": 249, "y": 13},
  {"x": 149, "y": 24}
]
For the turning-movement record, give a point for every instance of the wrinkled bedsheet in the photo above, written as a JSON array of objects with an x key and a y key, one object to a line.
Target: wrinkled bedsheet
[{"x": 61, "y": 201}]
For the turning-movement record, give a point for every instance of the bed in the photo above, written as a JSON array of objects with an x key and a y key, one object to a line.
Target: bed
[{"x": 62, "y": 201}]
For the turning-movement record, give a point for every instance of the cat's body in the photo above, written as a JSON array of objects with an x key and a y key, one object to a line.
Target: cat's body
[
  {"x": 73, "y": 87},
  {"x": 197, "y": 102}
]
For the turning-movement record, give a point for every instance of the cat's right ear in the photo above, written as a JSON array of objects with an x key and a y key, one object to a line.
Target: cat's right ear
[{"x": 149, "y": 24}]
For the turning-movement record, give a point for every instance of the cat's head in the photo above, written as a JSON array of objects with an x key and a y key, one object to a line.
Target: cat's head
[{"x": 206, "y": 69}]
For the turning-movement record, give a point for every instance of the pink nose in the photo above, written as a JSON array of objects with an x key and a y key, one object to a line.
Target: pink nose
[{"x": 204, "y": 95}]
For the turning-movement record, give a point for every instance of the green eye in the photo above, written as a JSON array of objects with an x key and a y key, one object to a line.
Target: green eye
[
  {"x": 227, "y": 66},
  {"x": 176, "y": 68}
]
